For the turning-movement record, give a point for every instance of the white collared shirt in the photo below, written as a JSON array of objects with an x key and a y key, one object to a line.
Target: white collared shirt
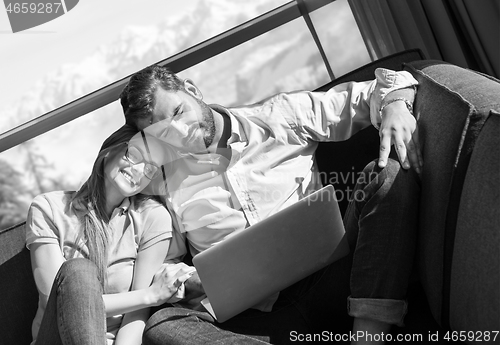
[
  {"x": 271, "y": 164},
  {"x": 272, "y": 147}
]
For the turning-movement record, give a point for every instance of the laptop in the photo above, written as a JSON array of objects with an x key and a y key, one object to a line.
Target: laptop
[{"x": 255, "y": 263}]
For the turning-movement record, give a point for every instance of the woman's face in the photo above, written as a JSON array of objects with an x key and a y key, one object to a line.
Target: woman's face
[{"x": 126, "y": 169}]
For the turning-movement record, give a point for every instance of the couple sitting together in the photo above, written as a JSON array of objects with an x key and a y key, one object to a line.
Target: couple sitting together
[{"x": 182, "y": 175}]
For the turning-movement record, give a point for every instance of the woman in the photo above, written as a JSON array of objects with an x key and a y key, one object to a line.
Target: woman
[{"x": 116, "y": 239}]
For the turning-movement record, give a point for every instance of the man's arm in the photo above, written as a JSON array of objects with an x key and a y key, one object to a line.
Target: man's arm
[{"x": 343, "y": 110}]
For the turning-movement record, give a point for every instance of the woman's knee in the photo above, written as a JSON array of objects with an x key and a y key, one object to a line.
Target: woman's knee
[{"x": 78, "y": 272}]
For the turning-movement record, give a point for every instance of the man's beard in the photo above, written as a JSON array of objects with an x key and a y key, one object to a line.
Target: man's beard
[{"x": 208, "y": 123}]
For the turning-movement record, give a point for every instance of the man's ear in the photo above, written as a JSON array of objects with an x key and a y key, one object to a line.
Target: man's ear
[{"x": 192, "y": 89}]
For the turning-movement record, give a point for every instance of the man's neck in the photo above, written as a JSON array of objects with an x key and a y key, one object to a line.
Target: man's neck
[
  {"x": 226, "y": 132},
  {"x": 222, "y": 134}
]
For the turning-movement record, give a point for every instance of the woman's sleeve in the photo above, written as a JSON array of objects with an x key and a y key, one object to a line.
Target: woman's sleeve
[
  {"x": 40, "y": 227},
  {"x": 157, "y": 226}
]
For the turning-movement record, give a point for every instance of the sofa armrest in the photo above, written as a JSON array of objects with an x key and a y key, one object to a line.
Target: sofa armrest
[{"x": 452, "y": 106}]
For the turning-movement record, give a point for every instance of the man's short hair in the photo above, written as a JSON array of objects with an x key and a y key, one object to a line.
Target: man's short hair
[{"x": 138, "y": 97}]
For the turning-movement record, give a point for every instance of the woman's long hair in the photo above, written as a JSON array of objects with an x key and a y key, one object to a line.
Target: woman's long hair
[{"x": 90, "y": 200}]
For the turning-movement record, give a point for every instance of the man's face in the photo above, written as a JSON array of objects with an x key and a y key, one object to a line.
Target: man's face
[{"x": 182, "y": 120}]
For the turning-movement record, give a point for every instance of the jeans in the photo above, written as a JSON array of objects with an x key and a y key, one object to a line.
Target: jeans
[
  {"x": 74, "y": 314},
  {"x": 381, "y": 226}
]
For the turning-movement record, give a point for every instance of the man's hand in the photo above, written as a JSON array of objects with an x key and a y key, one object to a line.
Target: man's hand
[
  {"x": 193, "y": 286},
  {"x": 399, "y": 127}
]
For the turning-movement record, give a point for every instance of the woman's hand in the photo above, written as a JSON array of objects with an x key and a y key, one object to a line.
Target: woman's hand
[{"x": 167, "y": 281}]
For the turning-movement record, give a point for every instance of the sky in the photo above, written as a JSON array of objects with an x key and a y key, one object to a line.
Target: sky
[{"x": 88, "y": 25}]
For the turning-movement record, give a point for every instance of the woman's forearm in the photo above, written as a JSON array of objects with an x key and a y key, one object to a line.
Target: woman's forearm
[
  {"x": 132, "y": 327},
  {"x": 126, "y": 302}
]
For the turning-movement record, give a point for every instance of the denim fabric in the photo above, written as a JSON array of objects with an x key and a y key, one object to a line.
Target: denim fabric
[
  {"x": 381, "y": 224},
  {"x": 381, "y": 229},
  {"x": 184, "y": 326},
  {"x": 75, "y": 310},
  {"x": 391, "y": 311}
]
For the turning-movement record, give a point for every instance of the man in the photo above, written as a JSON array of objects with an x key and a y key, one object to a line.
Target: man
[{"x": 228, "y": 169}]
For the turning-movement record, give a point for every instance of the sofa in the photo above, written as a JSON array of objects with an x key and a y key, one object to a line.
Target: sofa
[{"x": 454, "y": 294}]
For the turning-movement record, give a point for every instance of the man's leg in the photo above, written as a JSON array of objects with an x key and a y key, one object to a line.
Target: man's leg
[
  {"x": 75, "y": 310},
  {"x": 381, "y": 225},
  {"x": 313, "y": 308},
  {"x": 305, "y": 308},
  {"x": 180, "y": 326},
  {"x": 316, "y": 306},
  {"x": 381, "y": 228}
]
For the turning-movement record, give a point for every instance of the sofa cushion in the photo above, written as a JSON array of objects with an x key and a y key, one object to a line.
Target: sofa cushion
[
  {"x": 475, "y": 279},
  {"x": 452, "y": 105},
  {"x": 19, "y": 299}
]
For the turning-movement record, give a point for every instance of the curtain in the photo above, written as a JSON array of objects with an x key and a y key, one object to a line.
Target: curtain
[{"x": 463, "y": 32}]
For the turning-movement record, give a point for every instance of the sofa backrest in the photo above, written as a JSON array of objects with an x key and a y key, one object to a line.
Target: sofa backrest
[
  {"x": 452, "y": 106},
  {"x": 19, "y": 297},
  {"x": 475, "y": 279}
]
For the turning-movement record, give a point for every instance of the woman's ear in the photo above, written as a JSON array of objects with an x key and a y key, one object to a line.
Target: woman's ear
[{"x": 192, "y": 89}]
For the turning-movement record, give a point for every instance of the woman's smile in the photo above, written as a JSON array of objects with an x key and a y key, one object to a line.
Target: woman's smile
[{"x": 128, "y": 177}]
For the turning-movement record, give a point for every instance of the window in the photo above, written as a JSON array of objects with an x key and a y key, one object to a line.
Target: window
[
  {"x": 99, "y": 42},
  {"x": 340, "y": 37},
  {"x": 273, "y": 62},
  {"x": 62, "y": 158}
]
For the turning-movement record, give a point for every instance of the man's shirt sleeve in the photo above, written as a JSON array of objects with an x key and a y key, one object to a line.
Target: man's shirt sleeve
[{"x": 343, "y": 110}]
